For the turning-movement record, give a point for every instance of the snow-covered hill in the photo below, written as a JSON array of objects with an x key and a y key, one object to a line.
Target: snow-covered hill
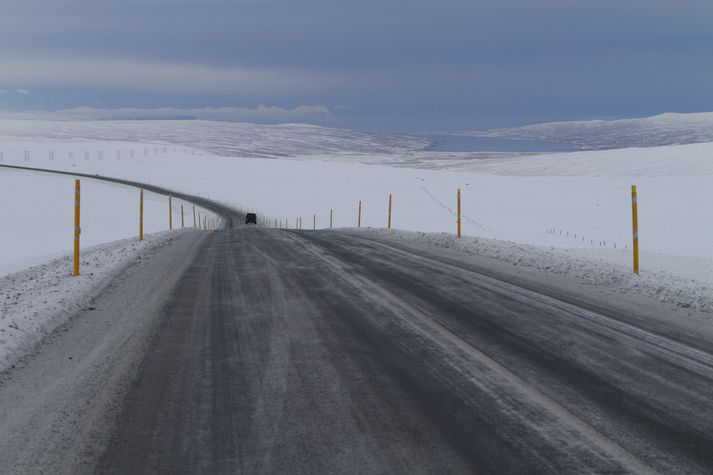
[
  {"x": 664, "y": 129},
  {"x": 229, "y": 139}
]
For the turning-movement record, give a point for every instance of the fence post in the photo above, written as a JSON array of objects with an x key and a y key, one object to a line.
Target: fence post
[
  {"x": 359, "y": 219},
  {"x": 635, "y": 224},
  {"x": 194, "y": 216},
  {"x": 458, "y": 213},
  {"x": 77, "y": 227},
  {"x": 314, "y": 222},
  {"x": 331, "y": 217},
  {"x": 182, "y": 225},
  {"x": 141, "y": 216},
  {"x": 389, "y": 227},
  {"x": 170, "y": 214}
]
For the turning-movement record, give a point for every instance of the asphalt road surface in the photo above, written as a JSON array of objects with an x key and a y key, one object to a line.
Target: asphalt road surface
[{"x": 277, "y": 351}]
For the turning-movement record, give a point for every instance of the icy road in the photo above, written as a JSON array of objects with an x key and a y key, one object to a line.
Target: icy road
[{"x": 251, "y": 350}]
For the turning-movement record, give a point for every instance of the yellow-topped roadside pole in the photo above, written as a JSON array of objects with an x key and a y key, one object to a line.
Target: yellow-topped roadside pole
[
  {"x": 635, "y": 226},
  {"x": 458, "y": 213},
  {"x": 77, "y": 227},
  {"x": 141, "y": 216}
]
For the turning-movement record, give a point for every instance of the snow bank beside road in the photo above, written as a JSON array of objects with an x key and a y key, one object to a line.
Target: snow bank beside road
[
  {"x": 35, "y": 301},
  {"x": 682, "y": 281}
]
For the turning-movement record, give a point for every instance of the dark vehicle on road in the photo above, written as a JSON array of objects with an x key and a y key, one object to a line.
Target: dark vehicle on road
[{"x": 250, "y": 218}]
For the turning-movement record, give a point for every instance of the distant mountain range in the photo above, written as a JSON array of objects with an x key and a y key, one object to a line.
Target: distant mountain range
[
  {"x": 241, "y": 139},
  {"x": 664, "y": 129}
]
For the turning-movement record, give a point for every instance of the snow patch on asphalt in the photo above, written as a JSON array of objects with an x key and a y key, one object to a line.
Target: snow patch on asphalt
[
  {"x": 37, "y": 300},
  {"x": 685, "y": 282}
]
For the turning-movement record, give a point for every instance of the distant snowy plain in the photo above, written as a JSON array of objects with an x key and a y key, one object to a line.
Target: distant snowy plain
[
  {"x": 567, "y": 213},
  {"x": 575, "y": 200}
]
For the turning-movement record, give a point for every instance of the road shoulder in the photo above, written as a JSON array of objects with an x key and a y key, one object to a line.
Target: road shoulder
[
  {"x": 57, "y": 401},
  {"x": 692, "y": 326}
]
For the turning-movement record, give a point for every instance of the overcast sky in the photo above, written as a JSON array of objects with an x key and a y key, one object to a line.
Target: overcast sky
[{"x": 391, "y": 65}]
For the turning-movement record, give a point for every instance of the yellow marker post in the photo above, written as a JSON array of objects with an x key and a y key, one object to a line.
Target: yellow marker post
[
  {"x": 359, "y": 219},
  {"x": 182, "y": 225},
  {"x": 194, "y": 216},
  {"x": 331, "y": 217},
  {"x": 170, "y": 213},
  {"x": 635, "y": 223},
  {"x": 141, "y": 216},
  {"x": 389, "y": 227},
  {"x": 458, "y": 213},
  {"x": 77, "y": 228}
]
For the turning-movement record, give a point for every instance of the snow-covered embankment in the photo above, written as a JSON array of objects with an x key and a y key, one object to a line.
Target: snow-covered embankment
[
  {"x": 37, "y": 300},
  {"x": 683, "y": 281}
]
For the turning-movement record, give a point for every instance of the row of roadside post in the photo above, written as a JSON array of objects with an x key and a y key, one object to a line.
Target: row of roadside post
[
  {"x": 208, "y": 222},
  {"x": 212, "y": 223},
  {"x": 279, "y": 223}
]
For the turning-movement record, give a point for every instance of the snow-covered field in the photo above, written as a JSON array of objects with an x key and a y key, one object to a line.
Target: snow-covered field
[
  {"x": 38, "y": 215},
  {"x": 579, "y": 200},
  {"x": 575, "y": 200}
]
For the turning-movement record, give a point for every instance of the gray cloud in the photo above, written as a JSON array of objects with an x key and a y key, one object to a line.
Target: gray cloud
[
  {"x": 378, "y": 63},
  {"x": 160, "y": 76},
  {"x": 261, "y": 114}
]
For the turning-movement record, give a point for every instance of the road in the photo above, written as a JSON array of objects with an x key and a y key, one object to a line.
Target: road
[{"x": 278, "y": 351}]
